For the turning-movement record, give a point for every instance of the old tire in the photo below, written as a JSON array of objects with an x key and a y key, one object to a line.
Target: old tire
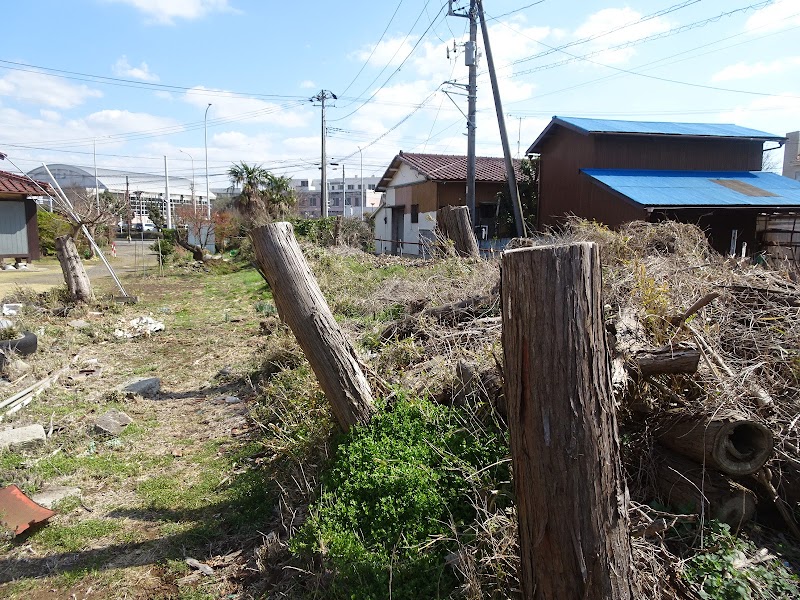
[{"x": 24, "y": 346}]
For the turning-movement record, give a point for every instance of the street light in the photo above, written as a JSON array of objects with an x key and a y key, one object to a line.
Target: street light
[
  {"x": 194, "y": 203},
  {"x": 205, "y": 132}
]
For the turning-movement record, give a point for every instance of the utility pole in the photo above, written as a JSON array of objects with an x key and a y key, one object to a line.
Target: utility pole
[
  {"x": 205, "y": 141},
  {"x": 167, "y": 204},
  {"x": 501, "y": 122},
  {"x": 471, "y": 61},
  {"x": 128, "y": 205},
  {"x": 363, "y": 194},
  {"x": 344, "y": 194},
  {"x": 321, "y": 97}
]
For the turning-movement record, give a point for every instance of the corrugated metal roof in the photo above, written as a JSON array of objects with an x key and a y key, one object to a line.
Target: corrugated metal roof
[
  {"x": 612, "y": 127},
  {"x": 17, "y": 184},
  {"x": 700, "y": 188},
  {"x": 449, "y": 167}
]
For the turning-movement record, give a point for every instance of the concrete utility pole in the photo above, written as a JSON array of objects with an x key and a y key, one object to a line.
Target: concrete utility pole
[
  {"x": 363, "y": 194},
  {"x": 167, "y": 202},
  {"x": 205, "y": 141},
  {"x": 471, "y": 61},
  {"x": 501, "y": 122},
  {"x": 321, "y": 97},
  {"x": 344, "y": 194}
]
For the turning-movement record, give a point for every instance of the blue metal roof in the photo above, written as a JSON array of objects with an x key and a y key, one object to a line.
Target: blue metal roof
[
  {"x": 700, "y": 188},
  {"x": 609, "y": 126}
]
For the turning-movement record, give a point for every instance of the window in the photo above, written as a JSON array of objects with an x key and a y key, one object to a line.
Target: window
[
  {"x": 371, "y": 186},
  {"x": 304, "y": 183},
  {"x": 351, "y": 187},
  {"x": 336, "y": 201},
  {"x": 415, "y": 213},
  {"x": 312, "y": 201}
]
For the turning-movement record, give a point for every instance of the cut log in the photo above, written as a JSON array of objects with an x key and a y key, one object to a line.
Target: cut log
[
  {"x": 303, "y": 308},
  {"x": 685, "y": 485},
  {"x": 78, "y": 284},
  {"x": 731, "y": 443},
  {"x": 572, "y": 502},
  {"x": 454, "y": 223},
  {"x": 679, "y": 358}
]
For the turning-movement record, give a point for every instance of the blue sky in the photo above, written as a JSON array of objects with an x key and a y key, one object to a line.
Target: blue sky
[{"x": 134, "y": 77}]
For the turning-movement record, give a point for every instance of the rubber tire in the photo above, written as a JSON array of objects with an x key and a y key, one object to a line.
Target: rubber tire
[{"x": 24, "y": 346}]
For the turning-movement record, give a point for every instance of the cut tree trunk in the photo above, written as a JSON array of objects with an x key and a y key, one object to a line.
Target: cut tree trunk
[
  {"x": 78, "y": 284},
  {"x": 454, "y": 223},
  {"x": 679, "y": 358},
  {"x": 730, "y": 443},
  {"x": 572, "y": 502},
  {"x": 303, "y": 308},
  {"x": 684, "y": 484}
]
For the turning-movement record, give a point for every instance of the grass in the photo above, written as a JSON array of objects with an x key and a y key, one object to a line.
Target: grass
[{"x": 71, "y": 538}]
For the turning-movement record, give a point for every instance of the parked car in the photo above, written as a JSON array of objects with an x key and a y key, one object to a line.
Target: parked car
[{"x": 145, "y": 227}]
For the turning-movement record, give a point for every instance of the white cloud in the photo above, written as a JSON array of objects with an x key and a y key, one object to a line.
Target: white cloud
[
  {"x": 771, "y": 114},
  {"x": 615, "y": 26},
  {"x": 50, "y": 115},
  {"x": 307, "y": 84},
  {"x": 45, "y": 89},
  {"x": 390, "y": 51},
  {"x": 111, "y": 122},
  {"x": 743, "y": 70},
  {"x": 122, "y": 68},
  {"x": 164, "y": 12},
  {"x": 778, "y": 15},
  {"x": 227, "y": 105}
]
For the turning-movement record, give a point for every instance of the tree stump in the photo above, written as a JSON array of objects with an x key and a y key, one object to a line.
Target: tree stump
[
  {"x": 572, "y": 501},
  {"x": 78, "y": 284},
  {"x": 454, "y": 223},
  {"x": 303, "y": 308}
]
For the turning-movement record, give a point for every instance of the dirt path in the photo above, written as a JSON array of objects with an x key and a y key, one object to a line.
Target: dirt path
[{"x": 171, "y": 485}]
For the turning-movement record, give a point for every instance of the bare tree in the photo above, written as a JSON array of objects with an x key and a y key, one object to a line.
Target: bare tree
[{"x": 93, "y": 212}]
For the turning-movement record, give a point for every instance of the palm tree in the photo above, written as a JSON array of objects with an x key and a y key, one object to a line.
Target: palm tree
[{"x": 264, "y": 196}]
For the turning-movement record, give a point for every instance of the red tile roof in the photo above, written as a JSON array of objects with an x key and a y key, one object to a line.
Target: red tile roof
[
  {"x": 449, "y": 167},
  {"x": 18, "y": 184}
]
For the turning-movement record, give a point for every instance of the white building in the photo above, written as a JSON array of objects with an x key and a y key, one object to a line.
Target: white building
[
  {"x": 142, "y": 188},
  {"x": 345, "y": 198},
  {"x": 791, "y": 156}
]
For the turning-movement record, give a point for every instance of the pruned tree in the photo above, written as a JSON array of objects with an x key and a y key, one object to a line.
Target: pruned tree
[
  {"x": 195, "y": 232},
  {"x": 93, "y": 212},
  {"x": 265, "y": 197}
]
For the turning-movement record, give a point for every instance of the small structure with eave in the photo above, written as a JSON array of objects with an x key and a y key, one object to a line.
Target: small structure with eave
[
  {"x": 704, "y": 173},
  {"x": 19, "y": 230},
  {"x": 417, "y": 185}
]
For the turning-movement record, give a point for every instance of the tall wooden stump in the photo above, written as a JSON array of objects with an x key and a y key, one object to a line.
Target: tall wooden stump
[
  {"x": 78, "y": 284},
  {"x": 302, "y": 306},
  {"x": 453, "y": 223},
  {"x": 571, "y": 496}
]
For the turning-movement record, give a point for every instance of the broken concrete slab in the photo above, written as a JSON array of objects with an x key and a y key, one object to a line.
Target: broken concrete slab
[
  {"x": 23, "y": 438},
  {"x": 79, "y": 324},
  {"x": 112, "y": 422},
  {"x": 50, "y": 495},
  {"x": 228, "y": 399},
  {"x": 143, "y": 386}
]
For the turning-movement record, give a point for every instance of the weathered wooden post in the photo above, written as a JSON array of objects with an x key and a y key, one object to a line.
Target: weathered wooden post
[
  {"x": 78, "y": 284},
  {"x": 571, "y": 497},
  {"x": 454, "y": 223},
  {"x": 302, "y": 306}
]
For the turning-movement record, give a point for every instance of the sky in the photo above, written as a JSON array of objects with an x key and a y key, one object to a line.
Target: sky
[{"x": 127, "y": 82}]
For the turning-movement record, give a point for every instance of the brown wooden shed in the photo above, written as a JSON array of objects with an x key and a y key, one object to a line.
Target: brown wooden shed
[
  {"x": 569, "y": 145},
  {"x": 19, "y": 231}
]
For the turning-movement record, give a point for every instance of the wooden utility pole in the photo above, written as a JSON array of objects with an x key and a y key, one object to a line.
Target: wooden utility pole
[
  {"x": 303, "y": 308},
  {"x": 572, "y": 500},
  {"x": 321, "y": 97},
  {"x": 511, "y": 176},
  {"x": 78, "y": 284}
]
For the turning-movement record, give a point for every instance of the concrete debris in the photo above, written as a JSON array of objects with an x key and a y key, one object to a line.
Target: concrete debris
[
  {"x": 79, "y": 324},
  {"x": 228, "y": 399},
  {"x": 12, "y": 310},
  {"x": 202, "y": 567},
  {"x": 143, "y": 386},
  {"x": 23, "y": 438},
  {"x": 112, "y": 422},
  {"x": 138, "y": 327},
  {"x": 53, "y": 494},
  {"x": 6, "y": 324}
]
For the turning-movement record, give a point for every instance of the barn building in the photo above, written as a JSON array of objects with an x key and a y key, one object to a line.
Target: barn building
[{"x": 19, "y": 232}]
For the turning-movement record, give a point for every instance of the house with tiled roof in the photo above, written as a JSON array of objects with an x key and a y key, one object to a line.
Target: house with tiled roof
[
  {"x": 19, "y": 230},
  {"x": 708, "y": 174},
  {"x": 417, "y": 185}
]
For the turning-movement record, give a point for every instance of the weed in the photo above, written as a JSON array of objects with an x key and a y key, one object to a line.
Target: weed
[
  {"x": 71, "y": 538},
  {"x": 396, "y": 489}
]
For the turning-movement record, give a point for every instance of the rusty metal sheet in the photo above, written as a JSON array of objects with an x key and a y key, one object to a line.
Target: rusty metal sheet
[{"x": 18, "y": 512}]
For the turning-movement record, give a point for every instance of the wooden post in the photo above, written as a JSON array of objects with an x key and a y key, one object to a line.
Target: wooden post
[
  {"x": 454, "y": 223},
  {"x": 78, "y": 284},
  {"x": 572, "y": 502},
  {"x": 302, "y": 306}
]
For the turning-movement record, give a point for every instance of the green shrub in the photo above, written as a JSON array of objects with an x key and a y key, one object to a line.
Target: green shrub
[
  {"x": 727, "y": 572},
  {"x": 393, "y": 496},
  {"x": 166, "y": 245},
  {"x": 51, "y": 226}
]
